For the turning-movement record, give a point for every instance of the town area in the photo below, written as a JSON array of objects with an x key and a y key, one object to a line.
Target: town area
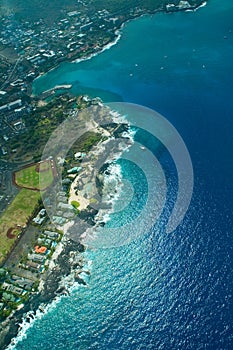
[{"x": 28, "y": 49}]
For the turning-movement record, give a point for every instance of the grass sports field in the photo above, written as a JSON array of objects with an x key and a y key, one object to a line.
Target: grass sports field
[
  {"x": 32, "y": 179},
  {"x": 36, "y": 176},
  {"x": 15, "y": 217}
]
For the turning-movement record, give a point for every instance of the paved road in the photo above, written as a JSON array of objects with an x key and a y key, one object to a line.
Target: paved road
[{"x": 7, "y": 190}]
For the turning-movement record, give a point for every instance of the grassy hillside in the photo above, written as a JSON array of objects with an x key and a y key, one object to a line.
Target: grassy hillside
[{"x": 15, "y": 218}]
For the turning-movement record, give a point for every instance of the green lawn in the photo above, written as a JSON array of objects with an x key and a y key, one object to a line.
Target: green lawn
[
  {"x": 15, "y": 217},
  {"x": 38, "y": 176}
]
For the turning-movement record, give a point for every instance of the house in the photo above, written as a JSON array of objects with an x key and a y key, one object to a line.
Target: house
[
  {"x": 18, "y": 125},
  {"x": 49, "y": 55},
  {"x": 66, "y": 181},
  {"x": 18, "y": 290},
  {"x": 79, "y": 155},
  {"x": 68, "y": 215},
  {"x": 14, "y": 104},
  {"x": 183, "y": 5},
  {"x": 36, "y": 258},
  {"x": 34, "y": 266},
  {"x": 65, "y": 206},
  {"x": 4, "y": 151},
  {"x": 86, "y": 26},
  {"x": 38, "y": 221},
  {"x": 6, "y": 286},
  {"x": 42, "y": 212},
  {"x": 40, "y": 249},
  {"x": 11, "y": 105},
  {"x": 40, "y": 218},
  {"x": 22, "y": 282},
  {"x": 17, "y": 82},
  {"x": 62, "y": 199},
  {"x": 58, "y": 220},
  {"x": 45, "y": 241},
  {"x": 51, "y": 234},
  {"x": 3, "y": 108}
]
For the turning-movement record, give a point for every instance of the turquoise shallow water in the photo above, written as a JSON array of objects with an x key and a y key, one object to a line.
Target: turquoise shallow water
[{"x": 162, "y": 291}]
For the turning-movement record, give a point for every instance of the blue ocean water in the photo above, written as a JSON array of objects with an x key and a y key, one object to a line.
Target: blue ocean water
[{"x": 162, "y": 291}]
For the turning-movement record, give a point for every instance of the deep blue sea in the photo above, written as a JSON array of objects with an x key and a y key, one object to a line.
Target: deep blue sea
[{"x": 162, "y": 291}]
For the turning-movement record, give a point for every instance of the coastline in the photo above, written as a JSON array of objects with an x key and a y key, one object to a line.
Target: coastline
[
  {"x": 118, "y": 34},
  {"x": 198, "y": 7},
  {"x": 85, "y": 58},
  {"x": 52, "y": 296},
  {"x": 102, "y": 49},
  {"x": 156, "y": 290},
  {"x": 67, "y": 265},
  {"x": 48, "y": 296}
]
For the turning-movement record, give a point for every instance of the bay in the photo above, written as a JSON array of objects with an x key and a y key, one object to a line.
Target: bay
[{"x": 162, "y": 291}]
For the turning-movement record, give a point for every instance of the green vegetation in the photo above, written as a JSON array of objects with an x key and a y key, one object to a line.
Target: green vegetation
[
  {"x": 52, "y": 10},
  {"x": 15, "y": 218},
  {"x": 37, "y": 176},
  {"x": 93, "y": 201},
  {"x": 122, "y": 6},
  {"x": 36, "y": 9},
  {"x": 39, "y": 126},
  {"x": 75, "y": 204},
  {"x": 5, "y": 313},
  {"x": 83, "y": 144},
  {"x": 86, "y": 142}
]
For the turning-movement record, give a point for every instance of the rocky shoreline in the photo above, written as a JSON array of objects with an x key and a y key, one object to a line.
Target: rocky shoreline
[
  {"x": 69, "y": 263},
  {"x": 68, "y": 266}
]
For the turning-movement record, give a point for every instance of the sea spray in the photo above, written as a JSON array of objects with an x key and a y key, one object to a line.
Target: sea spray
[
  {"x": 113, "y": 182},
  {"x": 29, "y": 320},
  {"x": 71, "y": 286},
  {"x": 171, "y": 282}
]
